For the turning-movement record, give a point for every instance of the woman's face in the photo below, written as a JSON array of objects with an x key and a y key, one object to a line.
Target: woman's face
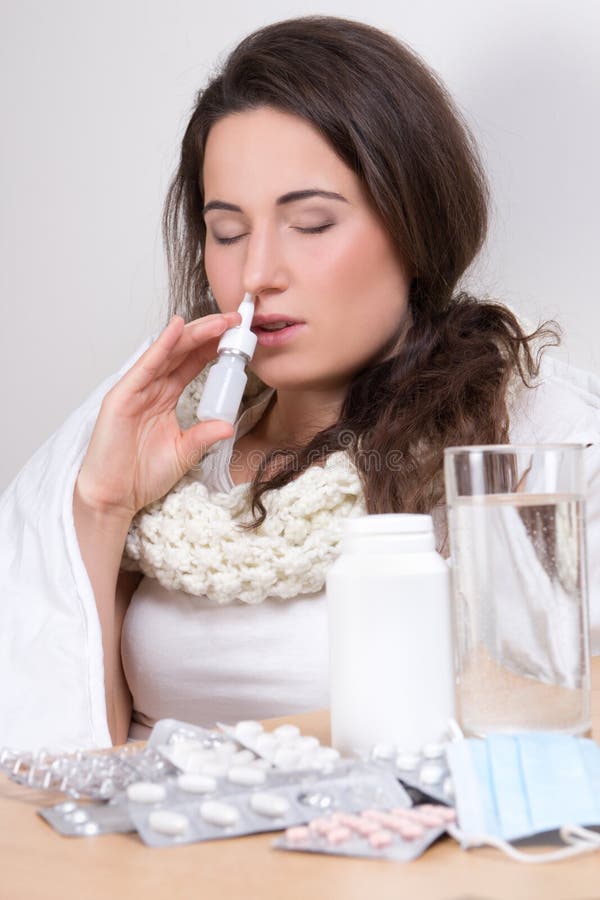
[{"x": 289, "y": 222}]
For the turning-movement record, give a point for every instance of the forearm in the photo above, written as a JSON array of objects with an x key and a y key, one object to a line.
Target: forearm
[{"x": 101, "y": 536}]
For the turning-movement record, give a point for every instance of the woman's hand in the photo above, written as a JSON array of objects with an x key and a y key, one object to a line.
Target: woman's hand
[{"x": 137, "y": 451}]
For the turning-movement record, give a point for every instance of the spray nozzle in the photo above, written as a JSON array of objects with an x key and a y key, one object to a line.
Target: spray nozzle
[{"x": 240, "y": 338}]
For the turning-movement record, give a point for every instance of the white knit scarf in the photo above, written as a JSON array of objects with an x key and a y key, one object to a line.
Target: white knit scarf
[{"x": 189, "y": 540}]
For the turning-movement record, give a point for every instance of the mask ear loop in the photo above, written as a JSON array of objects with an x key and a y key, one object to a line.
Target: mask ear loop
[
  {"x": 574, "y": 834},
  {"x": 580, "y": 839}
]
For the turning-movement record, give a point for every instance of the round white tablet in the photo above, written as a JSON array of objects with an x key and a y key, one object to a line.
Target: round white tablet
[
  {"x": 217, "y": 813},
  {"x": 271, "y": 805},
  {"x": 286, "y": 732},
  {"x": 246, "y": 775},
  {"x": 248, "y": 729},
  {"x": 167, "y": 822},
  {"x": 146, "y": 792},
  {"x": 197, "y": 784}
]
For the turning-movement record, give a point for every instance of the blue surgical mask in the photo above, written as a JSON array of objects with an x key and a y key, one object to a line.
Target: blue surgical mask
[{"x": 509, "y": 787}]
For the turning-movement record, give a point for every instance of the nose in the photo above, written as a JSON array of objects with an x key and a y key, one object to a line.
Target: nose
[{"x": 265, "y": 268}]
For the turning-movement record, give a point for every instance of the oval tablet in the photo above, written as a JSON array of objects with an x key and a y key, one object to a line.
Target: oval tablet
[
  {"x": 408, "y": 761},
  {"x": 146, "y": 792},
  {"x": 246, "y": 775},
  {"x": 248, "y": 729},
  {"x": 217, "y": 813},
  {"x": 166, "y": 822},
  {"x": 286, "y": 732},
  {"x": 271, "y": 805},
  {"x": 431, "y": 773},
  {"x": 197, "y": 784}
]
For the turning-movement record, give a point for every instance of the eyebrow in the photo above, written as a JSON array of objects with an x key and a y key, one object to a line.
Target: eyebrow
[{"x": 290, "y": 197}]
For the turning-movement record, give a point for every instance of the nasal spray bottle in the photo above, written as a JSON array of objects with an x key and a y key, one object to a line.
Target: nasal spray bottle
[{"x": 227, "y": 377}]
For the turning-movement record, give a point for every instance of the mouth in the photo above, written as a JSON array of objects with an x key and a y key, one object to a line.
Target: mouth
[{"x": 272, "y": 331}]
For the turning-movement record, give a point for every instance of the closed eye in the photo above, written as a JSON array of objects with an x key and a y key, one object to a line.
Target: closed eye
[
  {"x": 316, "y": 230},
  {"x": 229, "y": 240}
]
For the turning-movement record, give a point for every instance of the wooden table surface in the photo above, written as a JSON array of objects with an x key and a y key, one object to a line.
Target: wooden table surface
[{"x": 36, "y": 862}]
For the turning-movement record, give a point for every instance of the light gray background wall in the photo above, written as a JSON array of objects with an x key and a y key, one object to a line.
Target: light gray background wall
[{"x": 93, "y": 102}]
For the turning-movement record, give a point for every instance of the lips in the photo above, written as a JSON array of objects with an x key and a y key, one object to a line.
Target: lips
[
  {"x": 274, "y": 319},
  {"x": 275, "y": 337}
]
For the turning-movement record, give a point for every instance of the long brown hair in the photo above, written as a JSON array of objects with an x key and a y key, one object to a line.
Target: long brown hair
[{"x": 391, "y": 120}]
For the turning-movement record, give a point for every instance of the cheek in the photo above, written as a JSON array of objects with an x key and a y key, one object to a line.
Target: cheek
[{"x": 223, "y": 278}]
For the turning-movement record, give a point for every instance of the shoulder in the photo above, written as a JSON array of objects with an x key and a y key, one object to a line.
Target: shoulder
[{"x": 562, "y": 406}]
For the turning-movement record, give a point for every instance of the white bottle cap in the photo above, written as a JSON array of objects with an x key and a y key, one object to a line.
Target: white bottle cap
[
  {"x": 240, "y": 337},
  {"x": 389, "y": 523}
]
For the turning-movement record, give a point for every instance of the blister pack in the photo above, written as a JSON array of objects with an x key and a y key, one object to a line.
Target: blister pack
[
  {"x": 426, "y": 772},
  {"x": 88, "y": 819},
  {"x": 397, "y": 833},
  {"x": 196, "y": 750},
  {"x": 284, "y": 747},
  {"x": 253, "y": 811},
  {"x": 98, "y": 776}
]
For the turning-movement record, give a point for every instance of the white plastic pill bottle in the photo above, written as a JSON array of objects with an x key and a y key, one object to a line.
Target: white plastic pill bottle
[{"x": 391, "y": 667}]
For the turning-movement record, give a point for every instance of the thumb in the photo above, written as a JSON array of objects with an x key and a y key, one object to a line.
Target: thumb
[{"x": 197, "y": 440}]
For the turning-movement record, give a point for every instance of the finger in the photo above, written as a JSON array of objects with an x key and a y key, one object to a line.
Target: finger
[
  {"x": 156, "y": 360},
  {"x": 194, "y": 336},
  {"x": 197, "y": 440}
]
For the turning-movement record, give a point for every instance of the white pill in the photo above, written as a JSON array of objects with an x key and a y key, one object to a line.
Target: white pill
[
  {"x": 260, "y": 764},
  {"x": 448, "y": 787},
  {"x": 306, "y": 743},
  {"x": 286, "y": 758},
  {"x": 242, "y": 757},
  {"x": 198, "y": 759},
  {"x": 431, "y": 773},
  {"x": 146, "y": 792},
  {"x": 226, "y": 750},
  {"x": 167, "y": 822},
  {"x": 197, "y": 784},
  {"x": 248, "y": 729},
  {"x": 433, "y": 751},
  {"x": 408, "y": 761},
  {"x": 214, "y": 769},
  {"x": 382, "y": 751},
  {"x": 246, "y": 775},
  {"x": 265, "y": 744},
  {"x": 217, "y": 813},
  {"x": 326, "y": 755},
  {"x": 179, "y": 754},
  {"x": 271, "y": 805},
  {"x": 286, "y": 732}
]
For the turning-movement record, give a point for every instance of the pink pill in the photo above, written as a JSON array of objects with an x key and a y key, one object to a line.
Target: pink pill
[
  {"x": 380, "y": 839},
  {"x": 349, "y": 821},
  {"x": 448, "y": 814},
  {"x": 366, "y": 827},
  {"x": 431, "y": 820},
  {"x": 401, "y": 811},
  {"x": 374, "y": 814},
  {"x": 321, "y": 825},
  {"x": 338, "y": 835},
  {"x": 298, "y": 835},
  {"x": 410, "y": 831}
]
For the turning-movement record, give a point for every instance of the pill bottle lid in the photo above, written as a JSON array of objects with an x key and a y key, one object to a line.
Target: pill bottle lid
[{"x": 389, "y": 523}]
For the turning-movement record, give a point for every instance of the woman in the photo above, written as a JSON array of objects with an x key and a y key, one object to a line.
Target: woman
[{"x": 326, "y": 171}]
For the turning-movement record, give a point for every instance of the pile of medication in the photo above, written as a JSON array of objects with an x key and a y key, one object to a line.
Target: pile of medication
[{"x": 193, "y": 784}]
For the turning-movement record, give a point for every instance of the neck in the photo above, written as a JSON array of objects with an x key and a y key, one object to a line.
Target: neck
[{"x": 295, "y": 417}]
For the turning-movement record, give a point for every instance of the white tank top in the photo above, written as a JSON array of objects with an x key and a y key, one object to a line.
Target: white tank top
[{"x": 188, "y": 658}]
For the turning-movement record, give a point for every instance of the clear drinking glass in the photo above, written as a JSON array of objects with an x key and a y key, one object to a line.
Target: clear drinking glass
[{"x": 521, "y": 633}]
